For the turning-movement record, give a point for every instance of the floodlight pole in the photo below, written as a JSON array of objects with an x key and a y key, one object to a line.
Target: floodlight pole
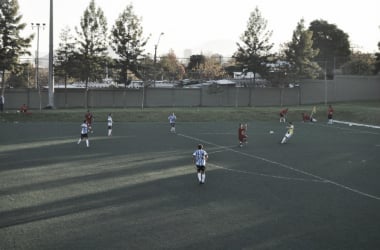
[
  {"x": 51, "y": 52},
  {"x": 325, "y": 82},
  {"x": 37, "y": 25}
]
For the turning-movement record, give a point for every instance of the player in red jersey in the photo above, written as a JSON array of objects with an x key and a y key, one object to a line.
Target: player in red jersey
[
  {"x": 242, "y": 134},
  {"x": 89, "y": 119},
  {"x": 283, "y": 114},
  {"x": 330, "y": 112}
]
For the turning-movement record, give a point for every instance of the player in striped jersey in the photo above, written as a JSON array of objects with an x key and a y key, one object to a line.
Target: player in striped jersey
[
  {"x": 172, "y": 118},
  {"x": 200, "y": 157},
  {"x": 84, "y": 133},
  {"x": 109, "y": 124}
]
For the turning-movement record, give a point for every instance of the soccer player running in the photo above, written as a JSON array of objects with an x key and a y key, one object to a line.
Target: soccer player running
[
  {"x": 289, "y": 133},
  {"x": 89, "y": 119},
  {"x": 109, "y": 124},
  {"x": 283, "y": 114},
  {"x": 84, "y": 133},
  {"x": 242, "y": 134},
  {"x": 200, "y": 157},
  {"x": 330, "y": 112},
  {"x": 172, "y": 119}
]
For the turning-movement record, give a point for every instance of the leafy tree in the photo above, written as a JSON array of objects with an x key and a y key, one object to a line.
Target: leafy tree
[
  {"x": 92, "y": 43},
  {"x": 12, "y": 45},
  {"x": 333, "y": 45},
  {"x": 299, "y": 53},
  {"x": 359, "y": 64},
  {"x": 64, "y": 60},
  {"x": 194, "y": 66},
  {"x": 22, "y": 77},
  {"x": 212, "y": 68},
  {"x": 377, "y": 60},
  {"x": 127, "y": 41},
  {"x": 172, "y": 68},
  {"x": 253, "y": 54}
]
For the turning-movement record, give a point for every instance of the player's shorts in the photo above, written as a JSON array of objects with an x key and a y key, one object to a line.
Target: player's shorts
[
  {"x": 83, "y": 136},
  {"x": 329, "y": 116},
  {"x": 172, "y": 124},
  {"x": 109, "y": 127},
  {"x": 288, "y": 135},
  {"x": 243, "y": 138},
  {"x": 201, "y": 168}
]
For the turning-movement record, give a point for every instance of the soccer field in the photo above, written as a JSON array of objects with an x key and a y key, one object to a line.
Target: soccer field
[{"x": 138, "y": 189}]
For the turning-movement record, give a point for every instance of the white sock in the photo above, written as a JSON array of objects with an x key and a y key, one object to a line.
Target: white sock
[
  {"x": 283, "y": 140},
  {"x": 203, "y": 177},
  {"x": 87, "y": 143},
  {"x": 79, "y": 141},
  {"x": 109, "y": 132},
  {"x": 199, "y": 176}
]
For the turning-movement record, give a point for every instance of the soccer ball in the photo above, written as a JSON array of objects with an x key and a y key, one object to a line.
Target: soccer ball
[{"x": 271, "y": 132}]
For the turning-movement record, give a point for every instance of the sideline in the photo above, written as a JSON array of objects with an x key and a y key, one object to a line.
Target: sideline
[
  {"x": 320, "y": 179},
  {"x": 356, "y": 124}
]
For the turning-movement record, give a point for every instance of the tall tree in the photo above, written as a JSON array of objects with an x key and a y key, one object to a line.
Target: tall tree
[
  {"x": 64, "y": 58},
  {"x": 333, "y": 45},
  {"x": 92, "y": 42},
  {"x": 253, "y": 53},
  {"x": 127, "y": 41},
  {"x": 377, "y": 60},
  {"x": 195, "y": 65},
  {"x": 212, "y": 68},
  {"x": 359, "y": 64},
  {"x": 172, "y": 68},
  {"x": 299, "y": 53},
  {"x": 12, "y": 45}
]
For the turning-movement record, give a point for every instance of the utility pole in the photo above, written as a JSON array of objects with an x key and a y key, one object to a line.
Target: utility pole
[
  {"x": 51, "y": 56},
  {"x": 38, "y": 25}
]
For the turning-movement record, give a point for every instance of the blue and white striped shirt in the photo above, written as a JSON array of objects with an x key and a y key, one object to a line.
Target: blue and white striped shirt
[
  {"x": 172, "y": 118},
  {"x": 84, "y": 129},
  {"x": 200, "y": 157}
]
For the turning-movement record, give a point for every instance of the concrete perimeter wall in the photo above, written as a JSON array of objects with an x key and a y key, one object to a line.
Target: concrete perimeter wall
[{"x": 341, "y": 89}]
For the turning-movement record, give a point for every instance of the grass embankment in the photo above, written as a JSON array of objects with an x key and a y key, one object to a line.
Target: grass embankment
[{"x": 361, "y": 112}]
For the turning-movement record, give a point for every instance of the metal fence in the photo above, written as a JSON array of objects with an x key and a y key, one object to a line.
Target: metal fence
[{"x": 341, "y": 89}]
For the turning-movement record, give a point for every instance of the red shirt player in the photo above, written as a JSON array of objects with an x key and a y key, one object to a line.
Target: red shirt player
[
  {"x": 330, "y": 112},
  {"x": 89, "y": 119},
  {"x": 283, "y": 115},
  {"x": 242, "y": 134}
]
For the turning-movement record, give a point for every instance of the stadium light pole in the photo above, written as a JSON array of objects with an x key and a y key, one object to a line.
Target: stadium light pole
[
  {"x": 38, "y": 25},
  {"x": 155, "y": 57},
  {"x": 51, "y": 51},
  {"x": 325, "y": 83}
]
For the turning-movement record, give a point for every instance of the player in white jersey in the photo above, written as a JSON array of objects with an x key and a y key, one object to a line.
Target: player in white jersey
[
  {"x": 84, "y": 133},
  {"x": 109, "y": 124},
  {"x": 200, "y": 157},
  {"x": 172, "y": 118}
]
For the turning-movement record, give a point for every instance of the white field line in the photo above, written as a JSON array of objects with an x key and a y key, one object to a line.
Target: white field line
[
  {"x": 264, "y": 175},
  {"x": 357, "y": 124},
  {"x": 316, "y": 177}
]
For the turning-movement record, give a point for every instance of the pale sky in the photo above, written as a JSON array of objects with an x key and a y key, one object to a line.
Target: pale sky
[{"x": 211, "y": 26}]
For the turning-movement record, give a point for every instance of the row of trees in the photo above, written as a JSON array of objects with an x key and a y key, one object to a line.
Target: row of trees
[{"x": 316, "y": 51}]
